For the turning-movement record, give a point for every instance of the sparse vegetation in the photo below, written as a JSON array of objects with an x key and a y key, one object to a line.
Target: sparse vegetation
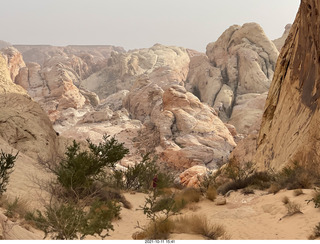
[
  {"x": 211, "y": 193},
  {"x": 7, "y": 161},
  {"x": 81, "y": 202},
  {"x": 67, "y": 221},
  {"x": 158, "y": 208},
  {"x": 200, "y": 225},
  {"x": 297, "y": 192},
  {"x": 14, "y": 208},
  {"x": 292, "y": 207},
  {"x": 316, "y": 232},
  {"x": 316, "y": 198},
  {"x": 186, "y": 196},
  {"x": 139, "y": 176}
]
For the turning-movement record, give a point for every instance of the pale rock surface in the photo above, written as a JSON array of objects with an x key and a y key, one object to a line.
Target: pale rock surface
[
  {"x": 190, "y": 133},
  {"x": 290, "y": 124},
  {"x": 14, "y": 61},
  {"x": 247, "y": 110},
  {"x": 279, "y": 43},
  {"x": 240, "y": 62},
  {"x": 23, "y": 124},
  {"x": 123, "y": 68}
]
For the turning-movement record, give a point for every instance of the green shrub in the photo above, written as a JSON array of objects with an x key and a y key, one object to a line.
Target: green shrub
[
  {"x": 6, "y": 167},
  {"x": 139, "y": 177},
  {"x": 295, "y": 177},
  {"x": 66, "y": 221},
  {"x": 80, "y": 169}
]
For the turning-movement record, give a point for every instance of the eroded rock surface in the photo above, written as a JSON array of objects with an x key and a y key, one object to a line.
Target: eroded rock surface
[{"x": 290, "y": 124}]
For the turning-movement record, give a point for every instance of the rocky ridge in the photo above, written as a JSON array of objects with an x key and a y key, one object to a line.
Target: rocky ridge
[{"x": 289, "y": 129}]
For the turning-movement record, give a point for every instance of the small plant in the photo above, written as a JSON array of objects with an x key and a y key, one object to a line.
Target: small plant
[
  {"x": 211, "y": 193},
  {"x": 158, "y": 209},
  {"x": 274, "y": 188},
  {"x": 247, "y": 191},
  {"x": 186, "y": 196},
  {"x": 297, "y": 192},
  {"x": 157, "y": 230},
  {"x": 293, "y": 208},
  {"x": 15, "y": 208},
  {"x": 316, "y": 232},
  {"x": 66, "y": 221},
  {"x": 6, "y": 167},
  {"x": 285, "y": 200},
  {"x": 196, "y": 224},
  {"x": 315, "y": 199}
]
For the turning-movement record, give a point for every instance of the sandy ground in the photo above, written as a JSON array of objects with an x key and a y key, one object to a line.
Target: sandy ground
[{"x": 251, "y": 217}]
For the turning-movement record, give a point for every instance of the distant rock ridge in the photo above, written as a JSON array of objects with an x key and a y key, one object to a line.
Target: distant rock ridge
[
  {"x": 280, "y": 41},
  {"x": 290, "y": 124}
]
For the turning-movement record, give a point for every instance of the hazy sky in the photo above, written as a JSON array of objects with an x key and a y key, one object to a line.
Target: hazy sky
[{"x": 137, "y": 23}]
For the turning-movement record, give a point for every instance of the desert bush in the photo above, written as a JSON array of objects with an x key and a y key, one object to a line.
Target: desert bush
[
  {"x": 285, "y": 200},
  {"x": 297, "y": 192},
  {"x": 247, "y": 191},
  {"x": 157, "y": 230},
  {"x": 295, "y": 177},
  {"x": 316, "y": 232},
  {"x": 208, "y": 180},
  {"x": 316, "y": 198},
  {"x": 15, "y": 208},
  {"x": 186, "y": 196},
  {"x": 292, "y": 207},
  {"x": 139, "y": 177},
  {"x": 196, "y": 224},
  {"x": 158, "y": 208},
  {"x": 274, "y": 188},
  {"x": 80, "y": 169},
  {"x": 211, "y": 193},
  {"x": 6, "y": 167},
  {"x": 68, "y": 221},
  {"x": 242, "y": 176}
]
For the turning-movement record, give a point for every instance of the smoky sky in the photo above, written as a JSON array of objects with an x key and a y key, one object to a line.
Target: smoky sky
[{"x": 137, "y": 23}]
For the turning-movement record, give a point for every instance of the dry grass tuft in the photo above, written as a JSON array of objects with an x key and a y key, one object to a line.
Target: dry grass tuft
[
  {"x": 285, "y": 200},
  {"x": 274, "y": 188},
  {"x": 158, "y": 230},
  {"x": 211, "y": 193},
  {"x": 293, "y": 208},
  {"x": 16, "y": 208},
  {"x": 186, "y": 196},
  {"x": 316, "y": 232},
  {"x": 297, "y": 192},
  {"x": 196, "y": 224}
]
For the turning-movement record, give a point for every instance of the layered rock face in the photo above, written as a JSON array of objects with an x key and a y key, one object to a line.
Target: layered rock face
[
  {"x": 185, "y": 131},
  {"x": 123, "y": 68},
  {"x": 23, "y": 124},
  {"x": 239, "y": 65},
  {"x": 290, "y": 125}
]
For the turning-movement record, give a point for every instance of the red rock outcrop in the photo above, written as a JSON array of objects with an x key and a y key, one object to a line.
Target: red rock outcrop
[{"x": 290, "y": 125}]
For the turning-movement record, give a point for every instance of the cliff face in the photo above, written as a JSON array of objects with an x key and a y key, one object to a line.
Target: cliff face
[{"x": 290, "y": 124}]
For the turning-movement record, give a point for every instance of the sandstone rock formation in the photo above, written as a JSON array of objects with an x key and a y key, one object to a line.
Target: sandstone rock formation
[
  {"x": 23, "y": 124},
  {"x": 279, "y": 43},
  {"x": 189, "y": 132},
  {"x": 14, "y": 61},
  {"x": 123, "y": 68},
  {"x": 290, "y": 125},
  {"x": 240, "y": 62}
]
